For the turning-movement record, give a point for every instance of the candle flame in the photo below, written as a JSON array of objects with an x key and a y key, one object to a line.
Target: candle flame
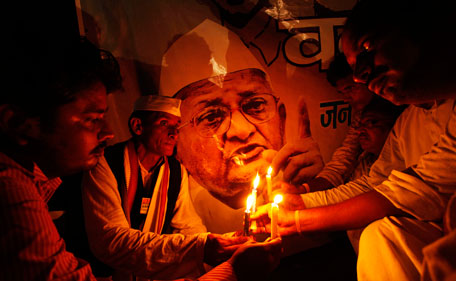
[
  {"x": 278, "y": 198},
  {"x": 256, "y": 182},
  {"x": 269, "y": 171},
  {"x": 249, "y": 203}
]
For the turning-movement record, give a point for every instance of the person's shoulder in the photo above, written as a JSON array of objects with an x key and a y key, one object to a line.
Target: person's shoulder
[{"x": 11, "y": 173}]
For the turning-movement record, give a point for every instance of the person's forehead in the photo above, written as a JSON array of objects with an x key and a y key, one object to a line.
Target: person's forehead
[
  {"x": 235, "y": 86},
  {"x": 159, "y": 115},
  {"x": 92, "y": 99}
]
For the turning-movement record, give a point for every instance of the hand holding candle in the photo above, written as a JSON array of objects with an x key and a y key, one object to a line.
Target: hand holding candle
[{"x": 274, "y": 215}]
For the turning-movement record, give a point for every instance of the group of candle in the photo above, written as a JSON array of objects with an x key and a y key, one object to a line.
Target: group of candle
[{"x": 251, "y": 205}]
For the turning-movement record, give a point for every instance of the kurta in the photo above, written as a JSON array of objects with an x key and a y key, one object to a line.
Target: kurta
[
  {"x": 425, "y": 140},
  {"x": 345, "y": 158},
  {"x": 143, "y": 253}
]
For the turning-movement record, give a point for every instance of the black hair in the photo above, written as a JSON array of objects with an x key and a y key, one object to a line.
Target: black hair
[
  {"x": 338, "y": 69},
  {"x": 384, "y": 107},
  {"x": 44, "y": 73}
]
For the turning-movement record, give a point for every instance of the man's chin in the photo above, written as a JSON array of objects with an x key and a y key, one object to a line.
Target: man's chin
[{"x": 234, "y": 200}]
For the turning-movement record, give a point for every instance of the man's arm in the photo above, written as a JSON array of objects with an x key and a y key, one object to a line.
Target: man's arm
[
  {"x": 353, "y": 213},
  {"x": 185, "y": 219},
  {"x": 112, "y": 240}
]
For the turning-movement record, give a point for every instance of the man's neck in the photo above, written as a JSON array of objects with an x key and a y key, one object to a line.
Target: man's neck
[{"x": 147, "y": 159}]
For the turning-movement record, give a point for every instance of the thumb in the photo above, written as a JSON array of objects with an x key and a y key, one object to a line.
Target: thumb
[{"x": 303, "y": 119}]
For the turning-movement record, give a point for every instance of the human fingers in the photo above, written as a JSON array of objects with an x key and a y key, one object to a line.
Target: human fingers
[
  {"x": 303, "y": 119},
  {"x": 308, "y": 155},
  {"x": 284, "y": 188},
  {"x": 268, "y": 155},
  {"x": 262, "y": 212}
]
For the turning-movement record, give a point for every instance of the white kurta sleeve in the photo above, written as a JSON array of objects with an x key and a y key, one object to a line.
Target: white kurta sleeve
[
  {"x": 144, "y": 254},
  {"x": 426, "y": 197},
  {"x": 185, "y": 219},
  {"x": 344, "y": 158},
  {"x": 389, "y": 159}
]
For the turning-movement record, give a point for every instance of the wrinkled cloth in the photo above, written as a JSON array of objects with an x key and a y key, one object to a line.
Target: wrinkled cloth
[
  {"x": 425, "y": 140},
  {"x": 365, "y": 162},
  {"x": 31, "y": 247},
  {"x": 143, "y": 253},
  {"x": 439, "y": 263},
  {"x": 345, "y": 158}
]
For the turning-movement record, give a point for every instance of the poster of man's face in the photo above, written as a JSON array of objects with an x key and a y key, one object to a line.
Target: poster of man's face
[
  {"x": 239, "y": 75},
  {"x": 227, "y": 130}
]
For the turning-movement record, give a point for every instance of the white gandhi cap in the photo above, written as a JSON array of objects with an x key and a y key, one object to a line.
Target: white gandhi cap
[
  {"x": 210, "y": 50},
  {"x": 158, "y": 103}
]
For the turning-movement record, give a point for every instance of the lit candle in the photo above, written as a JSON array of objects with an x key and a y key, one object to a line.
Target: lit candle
[
  {"x": 275, "y": 215},
  {"x": 256, "y": 182},
  {"x": 269, "y": 183},
  {"x": 247, "y": 215}
]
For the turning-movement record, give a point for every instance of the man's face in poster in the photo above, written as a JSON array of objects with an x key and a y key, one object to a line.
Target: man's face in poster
[{"x": 229, "y": 127}]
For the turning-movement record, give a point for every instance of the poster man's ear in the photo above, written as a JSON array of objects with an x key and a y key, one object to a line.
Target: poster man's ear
[
  {"x": 136, "y": 126},
  {"x": 17, "y": 125}
]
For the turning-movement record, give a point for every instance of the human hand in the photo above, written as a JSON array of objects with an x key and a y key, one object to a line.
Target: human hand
[
  {"x": 286, "y": 188},
  {"x": 253, "y": 260},
  {"x": 286, "y": 220},
  {"x": 220, "y": 247},
  {"x": 300, "y": 160}
]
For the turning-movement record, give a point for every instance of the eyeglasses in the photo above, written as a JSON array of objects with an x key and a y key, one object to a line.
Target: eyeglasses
[{"x": 215, "y": 120}]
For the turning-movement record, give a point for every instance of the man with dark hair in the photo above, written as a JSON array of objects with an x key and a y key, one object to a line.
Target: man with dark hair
[
  {"x": 404, "y": 199},
  {"x": 139, "y": 184},
  {"x": 52, "y": 124}
]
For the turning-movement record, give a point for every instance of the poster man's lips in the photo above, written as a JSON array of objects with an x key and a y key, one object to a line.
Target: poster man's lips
[{"x": 248, "y": 152}]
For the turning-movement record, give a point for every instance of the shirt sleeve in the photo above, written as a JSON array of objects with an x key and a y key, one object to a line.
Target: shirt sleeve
[
  {"x": 144, "y": 254},
  {"x": 426, "y": 197},
  {"x": 389, "y": 159},
  {"x": 344, "y": 158},
  {"x": 337, "y": 194},
  {"x": 31, "y": 248},
  {"x": 185, "y": 219}
]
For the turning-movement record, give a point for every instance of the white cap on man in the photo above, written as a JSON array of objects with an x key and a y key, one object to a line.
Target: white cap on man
[
  {"x": 158, "y": 103},
  {"x": 210, "y": 50}
]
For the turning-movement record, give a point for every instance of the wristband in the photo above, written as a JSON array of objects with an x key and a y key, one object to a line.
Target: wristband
[{"x": 297, "y": 222}]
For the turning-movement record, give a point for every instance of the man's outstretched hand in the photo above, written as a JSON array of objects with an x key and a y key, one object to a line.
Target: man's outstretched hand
[
  {"x": 255, "y": 260},
  {"x": 219, "y": 248}
]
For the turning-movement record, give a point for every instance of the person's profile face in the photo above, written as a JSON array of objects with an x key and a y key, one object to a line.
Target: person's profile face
[
  {"x": 384, "y": 63},
  {"x": 356, "y": 94},
  {"x": 159, "y": 133},
  {"x": 230, "y": 126},
  {"x": 79, "y": 134}
]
